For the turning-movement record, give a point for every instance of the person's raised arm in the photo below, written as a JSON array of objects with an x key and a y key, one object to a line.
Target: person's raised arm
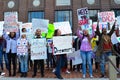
[
  {"x": 78, "y": 32},
  {"x": 97, "y": 30},
  {"x": 113, "y": 29}
]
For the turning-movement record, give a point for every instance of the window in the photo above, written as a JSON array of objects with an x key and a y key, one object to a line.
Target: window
[
  {"x": 93, "y": 14},
  {"x": 63, "y": 2},
  {"x": 37, "y": 14},
  {"x": 63, "y": 16}
]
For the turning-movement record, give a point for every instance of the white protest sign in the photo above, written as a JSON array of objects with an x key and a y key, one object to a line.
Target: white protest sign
[
  {"x": 87, "y": 27},
  {"x": 10, "y": 21},
  {"x": 108, "y": 16},
  {"x": 22, "y": 46},
  {"x": 26, "y": 28},
  {"x": 38, "y": 49},
  {"x": 114, "y": 38},
  {"x": 64, "y": 27},
  {"x": 62, "y": 44},
  {"x": 118, "y": 38},
  {"x": 41, "y": 24},
  {"x": 1, "y": 27},
  {"x": 118, "y": 22},
  {"x": 94, "y": 26},
  {"x": 49, "y": 44},
  {"x": 83, "y": 16},
  {"x": 75, "y": 57}
]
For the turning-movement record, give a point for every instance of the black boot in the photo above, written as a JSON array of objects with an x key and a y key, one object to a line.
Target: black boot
[
  {"x": 22, "y": 74},
  {"x": 25, "y": 74}
]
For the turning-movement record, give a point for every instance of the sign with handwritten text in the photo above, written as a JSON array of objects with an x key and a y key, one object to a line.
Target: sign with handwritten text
[
  {"x": 83, "y": 16},
  {"x": 38, "y": 49}
]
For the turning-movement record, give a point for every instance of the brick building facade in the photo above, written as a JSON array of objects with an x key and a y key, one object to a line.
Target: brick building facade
[{"x": 54, "y": 9}]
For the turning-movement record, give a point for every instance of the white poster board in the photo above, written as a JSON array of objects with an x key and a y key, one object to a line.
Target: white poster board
[
  {"x": 108, "y": 16},
  {"x": 41, "y": 24},
  {"x": 114, "y": 38},
  {"x": 64, "y": 27},
  {"x": 87, "y": 27},
  {"x": 75, "y": 57},
  {"x": 29, "y": 33},
  {"x": 83, "y": 16},
  {"x": 62, "y": 44},
  {"x": 1, "y": 27},
  {"x": 10, "y": 22},
  {"x": 38, "y": 49},
  {"x": 22, "y": 46}
]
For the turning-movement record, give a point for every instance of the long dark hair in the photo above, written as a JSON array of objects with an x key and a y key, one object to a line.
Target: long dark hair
[
  {"x": 11, "y": 36},
  {"x": 55, "y": 32}
]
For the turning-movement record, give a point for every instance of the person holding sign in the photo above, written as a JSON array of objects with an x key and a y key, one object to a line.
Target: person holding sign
[
  {"x": 86, "y": 51},
  {"x": 22, "y": 52},
  {"x": 11, "y": 49},
  {"x": 105, "y": 47},
  {"x": 38, "y": 62},
  {"x": 60, "y": 59}
]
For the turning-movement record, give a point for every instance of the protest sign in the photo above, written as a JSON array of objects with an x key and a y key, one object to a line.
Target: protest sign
[
  {"x": 75, "y": 57},
  {"x": 22, "y": 46},
  {"x": 87, "y": 27},
  {"x": 94, "y": 26},
  {"x": 108, "y": 16},
  {"x": 118, "y": 22},
  {"x": 101, "y": 26},
  {"x": 118, "y": 38},
  {"x": 10, "y": 22},
  {"x": 26, "y": 28},
  {"x": 50, "y": 45},
  {"x": 83, "y": 16},
  {"x": 38, "y": 49},
  {"x": 64, "y": 27},
  {"x": 1, "y": 27},
  {"x": 62, "y": 44},
  {"x": 41, "y": 24},
  {"x": 114, "y": 38}
]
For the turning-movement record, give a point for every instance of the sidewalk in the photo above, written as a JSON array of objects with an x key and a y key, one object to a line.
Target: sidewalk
[{"x": 10, "y": 78}]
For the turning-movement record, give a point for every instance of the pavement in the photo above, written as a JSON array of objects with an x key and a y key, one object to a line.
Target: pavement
[
  {"x": 74, "y": 75},
  {"x": 10, "y": 78}
]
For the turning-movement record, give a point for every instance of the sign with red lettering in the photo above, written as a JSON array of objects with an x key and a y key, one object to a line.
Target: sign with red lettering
[
  {"x": 10, "y": 21},
  {"x": 101, "y": 26},
  {"x": 108, "y": 16},
  {"x": 83, "y": 16},
  {"x": 22, "y": 46}
]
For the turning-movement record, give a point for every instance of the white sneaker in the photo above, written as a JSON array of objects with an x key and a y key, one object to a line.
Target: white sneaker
[
  {"x": 84, "y": 76},
  {"x": 91, "y": 76},
  {"x": 2, "y": 74},
  {"x": 68, "y": 72},
  {"x": 53, "y": 70}
]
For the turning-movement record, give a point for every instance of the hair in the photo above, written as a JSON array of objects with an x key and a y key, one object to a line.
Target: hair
[
  {"x": 23, "y": 29},
  {"x": 55, "y": 32},
  {"x": 11, "y": 36}
]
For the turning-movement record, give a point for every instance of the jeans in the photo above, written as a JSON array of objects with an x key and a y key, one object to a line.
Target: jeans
[
  {"x": 59, "y": 64},
  {"x": 1, "y": 58},
  {"x": 23, "y": 63},
  {"x": 103, "y": 58},
  {"x": 86, "y": 58},
  {"x": 3, "y": 54}
]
